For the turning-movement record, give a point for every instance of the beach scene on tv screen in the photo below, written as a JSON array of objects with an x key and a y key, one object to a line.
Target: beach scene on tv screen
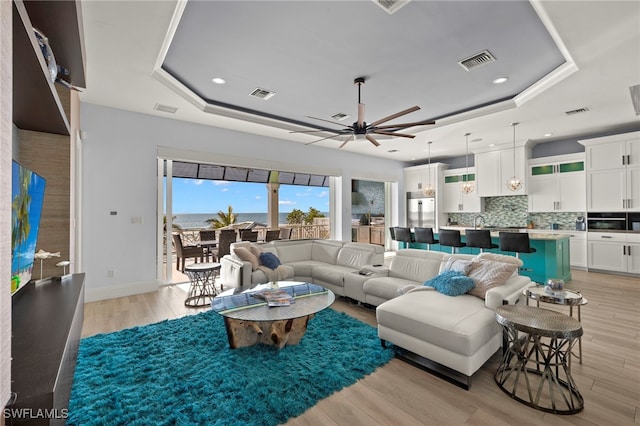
[{"x": 27, "y": 195}]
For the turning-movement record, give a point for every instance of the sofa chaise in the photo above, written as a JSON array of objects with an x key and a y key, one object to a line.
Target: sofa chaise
[{"x": 436, "y": 329}]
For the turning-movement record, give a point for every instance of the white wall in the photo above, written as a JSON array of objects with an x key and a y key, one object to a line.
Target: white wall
[{"x": 119, "y": 152}]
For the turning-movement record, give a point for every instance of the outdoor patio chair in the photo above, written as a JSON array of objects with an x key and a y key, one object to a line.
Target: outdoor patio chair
[
  {"x": 249, "y": 235},
  {"x": 186, "y": 252},
  {"x": 285, "y": 233},
  {"x": 273, "y": 234},
  {"x": 224, "y": 242}
]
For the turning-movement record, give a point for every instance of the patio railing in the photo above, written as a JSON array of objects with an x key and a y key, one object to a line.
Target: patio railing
[{"x": 298, "y": 232}]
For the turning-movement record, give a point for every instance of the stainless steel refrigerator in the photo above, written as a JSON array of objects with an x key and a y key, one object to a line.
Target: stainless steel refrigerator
[{"x": 421, "y": 210}]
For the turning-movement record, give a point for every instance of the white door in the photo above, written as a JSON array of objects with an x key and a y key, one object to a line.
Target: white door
[
  {"x": 572, "y": 196},
  {"x": 605, "y": 156},
  {"x": 543, "y": 193},
  {"x": 608, "y": 256},
  {"x": 606, "y": 189}
]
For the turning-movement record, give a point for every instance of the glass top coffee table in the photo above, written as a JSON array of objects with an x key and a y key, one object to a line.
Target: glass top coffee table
[{"x": 250, "y": 320}]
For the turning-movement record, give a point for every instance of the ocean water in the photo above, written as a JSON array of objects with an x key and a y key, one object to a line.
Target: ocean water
[{"x": 198, "y": 220}]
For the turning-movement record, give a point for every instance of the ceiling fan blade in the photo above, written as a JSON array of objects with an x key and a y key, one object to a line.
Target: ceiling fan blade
[
  {"x": 347, "y": 140},
  {"x": 328, "y": 137},
  {"x": 360, "y": 115},
  {"x": 313, "y": 131},
  {"x": 372, "y": 140},
  {"x": 328, "y": 121},
  {"x": 396, "y": 115},
  {"x": 407, "y": 125},
  {"x": 402, "y": 135}
]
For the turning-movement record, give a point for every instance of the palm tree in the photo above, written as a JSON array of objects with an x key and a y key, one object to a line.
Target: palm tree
[{"x": 224, "y": 219}]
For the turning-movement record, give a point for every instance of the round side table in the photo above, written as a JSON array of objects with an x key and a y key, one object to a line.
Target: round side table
[
  {"x": 570, "y": 298},
  {"x": 202, "y": 288},
  {"x": 535, "y": 369}
]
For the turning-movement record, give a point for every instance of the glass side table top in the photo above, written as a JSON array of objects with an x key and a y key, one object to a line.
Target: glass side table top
[
  {"x": 241, "y": 303},
  {"x": 567, "y": 297}
]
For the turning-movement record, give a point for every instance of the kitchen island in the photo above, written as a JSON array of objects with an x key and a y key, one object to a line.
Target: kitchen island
[{"x": 550, "y": 260}]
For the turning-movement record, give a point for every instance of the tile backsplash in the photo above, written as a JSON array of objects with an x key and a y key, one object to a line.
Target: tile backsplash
[{"x": 513, "y": 211}]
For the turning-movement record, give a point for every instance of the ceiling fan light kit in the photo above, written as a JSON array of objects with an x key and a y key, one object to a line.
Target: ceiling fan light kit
[{"x": 360, "y": 129}]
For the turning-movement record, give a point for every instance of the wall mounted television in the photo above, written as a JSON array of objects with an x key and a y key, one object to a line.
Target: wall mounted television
[{"x": 27, "y": 196}]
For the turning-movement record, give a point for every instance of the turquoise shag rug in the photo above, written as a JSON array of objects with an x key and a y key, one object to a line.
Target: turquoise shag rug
[{"x": 182, "y": 372}]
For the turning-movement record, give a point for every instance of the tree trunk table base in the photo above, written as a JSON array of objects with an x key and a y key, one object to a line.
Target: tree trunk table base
[{"x": 243, "y": 333}]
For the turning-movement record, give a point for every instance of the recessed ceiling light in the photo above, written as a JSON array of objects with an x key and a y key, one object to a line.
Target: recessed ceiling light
[
  {"x": 218, "y": 80},
  {"x": 393, "y": 150},
  {"x": 548, "y": 134},
  {"x": 492, "y": 144},
  {"x": 476, "y": 140},
  {"x": 500, "y": 80}
]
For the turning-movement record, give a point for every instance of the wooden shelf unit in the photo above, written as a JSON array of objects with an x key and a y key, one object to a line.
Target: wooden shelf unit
[{"x": 36, "y": 104}]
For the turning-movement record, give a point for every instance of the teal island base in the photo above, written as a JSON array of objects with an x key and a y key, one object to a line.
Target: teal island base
[{"x": 551, "y": 259}]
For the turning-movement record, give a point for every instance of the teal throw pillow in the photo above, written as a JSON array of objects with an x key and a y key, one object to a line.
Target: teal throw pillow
[
  {"x": 269, "y": 260},
  {"x": 451, "y": 283}
]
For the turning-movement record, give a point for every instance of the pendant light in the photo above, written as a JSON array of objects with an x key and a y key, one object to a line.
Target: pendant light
[
  {"x": 467, "y": 186},
  {"x": 429, "y": 190},
  {"x": 514, "y": 183}
]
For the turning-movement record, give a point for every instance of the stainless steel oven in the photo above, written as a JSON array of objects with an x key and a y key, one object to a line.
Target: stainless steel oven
[{"x": 607, "y": 222}]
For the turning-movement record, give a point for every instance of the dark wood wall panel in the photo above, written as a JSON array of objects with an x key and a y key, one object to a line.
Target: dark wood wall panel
[{"x": 49, "y": 155}]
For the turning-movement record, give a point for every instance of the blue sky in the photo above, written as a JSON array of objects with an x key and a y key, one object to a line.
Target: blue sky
[{"x": 209, "y": 196}]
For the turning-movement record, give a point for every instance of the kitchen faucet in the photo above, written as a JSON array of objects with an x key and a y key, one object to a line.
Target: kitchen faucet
[{"x": 475, "y": 221}]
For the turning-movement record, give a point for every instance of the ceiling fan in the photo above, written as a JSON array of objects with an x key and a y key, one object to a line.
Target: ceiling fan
[{"x": 360, "y": 127}]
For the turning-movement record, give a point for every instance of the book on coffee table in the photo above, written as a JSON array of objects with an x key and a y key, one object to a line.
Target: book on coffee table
[{"x": 275, "y": 297}]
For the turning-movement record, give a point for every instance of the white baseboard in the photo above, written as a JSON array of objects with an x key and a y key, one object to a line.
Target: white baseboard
[{"x": 119, "y": 290}]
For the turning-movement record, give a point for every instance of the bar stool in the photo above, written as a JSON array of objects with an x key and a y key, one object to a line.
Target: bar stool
[
  {"x": 425, "y": 235},
  {"x": 479, "y": 238},
  {"x": 450, "y": 238},
  {"x": 403, "y": 235},
  {"x": 392, "y": 231},
  {"x": 517, "y": 242}
]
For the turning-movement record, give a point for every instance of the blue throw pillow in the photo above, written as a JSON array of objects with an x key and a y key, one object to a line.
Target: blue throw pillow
[
  {"x": 451, "y": 283},
  {"x": 269, "y": 260}
]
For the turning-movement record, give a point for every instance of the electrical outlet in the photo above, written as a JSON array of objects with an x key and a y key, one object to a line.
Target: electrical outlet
[{"x": 110, "y": 273}]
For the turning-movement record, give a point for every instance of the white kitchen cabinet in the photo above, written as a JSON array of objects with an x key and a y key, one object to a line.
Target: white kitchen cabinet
[
  {"x": 453, "y": 200},
  {"x": 494, "y": 168},
  {"x": 613, "y": 172},
  {"x": 416, "y": 178},
  {"x": 617, "y": 252},
  {"x": 557, "y": 184}
]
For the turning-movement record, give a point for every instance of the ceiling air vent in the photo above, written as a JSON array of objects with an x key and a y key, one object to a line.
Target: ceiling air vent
[
  {"x": 477, "y": 60},
  {"x": 340, "y": 116},
  {"x": 391, "y": 6},
  {"x": 165, "y": 108},
  {"x": 577, "y": 111},
  {"x": 635, "y": 97},
  {"x": 262, "y": 93}
]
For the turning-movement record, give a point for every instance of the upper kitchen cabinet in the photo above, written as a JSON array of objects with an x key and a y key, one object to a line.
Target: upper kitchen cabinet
[
  {"x": 416, "y": 178},
  {"x": 453, "y": 200},
  {"x": 613, "y": 172},
  {"x": 557, "y": 184},
  {"x": 494, "y": 168},
  {"x": 36, "y": 104}
]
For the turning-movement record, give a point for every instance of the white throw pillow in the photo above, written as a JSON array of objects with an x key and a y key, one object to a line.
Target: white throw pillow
[
  {"x": 487, "y": 274},
  {"x": 458, "y": 265}
]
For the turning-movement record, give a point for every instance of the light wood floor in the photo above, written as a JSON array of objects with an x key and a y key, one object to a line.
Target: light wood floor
[{"x": 400, "y": 394}]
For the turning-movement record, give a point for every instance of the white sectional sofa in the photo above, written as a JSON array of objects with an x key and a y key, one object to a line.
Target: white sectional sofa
[
  {"x": 329, "y": 263},
  {"x": 428, "y": 327},
  {"x": 457, "y": 332}
]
